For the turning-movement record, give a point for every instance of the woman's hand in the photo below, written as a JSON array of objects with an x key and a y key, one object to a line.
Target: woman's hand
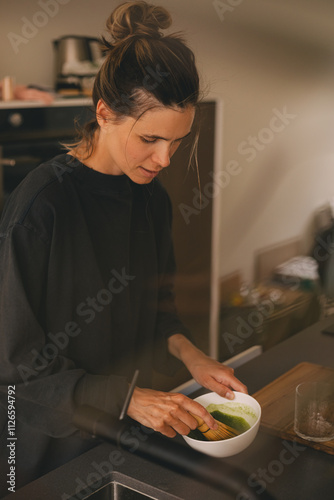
[
  {"x": 167, "y": 412},
  {"x": 215, "y": 376},
  {"x": 24, "y": 93},
  {"x": 208, "y": 372}
]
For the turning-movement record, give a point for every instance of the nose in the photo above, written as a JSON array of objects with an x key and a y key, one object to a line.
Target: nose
[{"x": 162, "y": 155}]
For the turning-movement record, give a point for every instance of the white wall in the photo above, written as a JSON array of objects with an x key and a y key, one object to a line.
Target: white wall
[
  {"x": 278, "y": 189},
  {"x": 258, "y": 56}
]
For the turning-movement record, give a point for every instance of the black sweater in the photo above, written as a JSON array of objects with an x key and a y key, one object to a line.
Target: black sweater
[{"x": 86, "y": 297}]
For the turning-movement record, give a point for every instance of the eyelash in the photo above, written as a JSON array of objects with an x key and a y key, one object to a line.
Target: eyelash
[
  {"x": 152, "y": 141},
  {"x": 146, "y": 141}
]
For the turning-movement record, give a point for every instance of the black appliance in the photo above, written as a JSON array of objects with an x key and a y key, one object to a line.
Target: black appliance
[{"x": 31, "y": 134}]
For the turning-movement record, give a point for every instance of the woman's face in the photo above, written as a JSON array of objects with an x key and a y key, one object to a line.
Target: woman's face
[{"x": 140, "y": 148}]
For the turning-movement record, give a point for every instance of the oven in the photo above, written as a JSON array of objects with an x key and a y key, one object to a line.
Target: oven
[{"x": 31, "y": 133}]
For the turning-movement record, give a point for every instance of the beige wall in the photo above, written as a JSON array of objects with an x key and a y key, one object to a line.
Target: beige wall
[{"x": 261, "y": 58}]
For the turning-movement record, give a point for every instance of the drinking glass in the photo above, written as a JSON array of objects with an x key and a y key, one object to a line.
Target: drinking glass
[{"x": 314, "y": 411}]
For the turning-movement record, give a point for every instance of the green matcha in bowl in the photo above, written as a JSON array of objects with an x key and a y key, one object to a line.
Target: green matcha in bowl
[{"x": 242, "y": 413}]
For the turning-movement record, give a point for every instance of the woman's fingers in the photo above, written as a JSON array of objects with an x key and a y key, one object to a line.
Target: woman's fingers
[
  {"x": 225, "y": 386},
  {"x": 167, "y": 413},
  {"x": 22, "y": 92},
  {"x": 218, "y": 378},
  {"x": 199, "y": 410}
]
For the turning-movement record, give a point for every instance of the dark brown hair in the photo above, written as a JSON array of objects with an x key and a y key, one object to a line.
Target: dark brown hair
[{"x": 143, "y": 68}]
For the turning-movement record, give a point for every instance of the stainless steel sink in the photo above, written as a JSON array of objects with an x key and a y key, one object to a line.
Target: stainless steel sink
[
  {"x": 123, "y": 487},
  {"x": 116, "y": 491}
]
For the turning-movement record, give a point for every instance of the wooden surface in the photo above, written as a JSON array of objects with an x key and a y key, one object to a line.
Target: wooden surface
[{"x": 277, "y": 402}]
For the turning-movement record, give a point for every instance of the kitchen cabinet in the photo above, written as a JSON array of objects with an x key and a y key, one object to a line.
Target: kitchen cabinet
[{"x": 266, "y": 323}]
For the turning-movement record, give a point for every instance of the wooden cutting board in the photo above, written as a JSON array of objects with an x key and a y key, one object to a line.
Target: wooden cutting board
[{"x": 277, "y": 401}]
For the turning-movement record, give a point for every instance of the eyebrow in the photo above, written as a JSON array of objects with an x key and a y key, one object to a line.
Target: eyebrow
[{"x": 152, "y": 136}]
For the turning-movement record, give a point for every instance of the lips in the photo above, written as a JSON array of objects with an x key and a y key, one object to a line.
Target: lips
[{"x": 149, "y": 173}]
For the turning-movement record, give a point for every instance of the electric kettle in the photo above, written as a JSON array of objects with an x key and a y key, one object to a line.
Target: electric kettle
[{"x": 76, "y": 58}]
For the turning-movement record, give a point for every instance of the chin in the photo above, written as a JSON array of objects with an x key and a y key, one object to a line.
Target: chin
[{"x": 140, "y": 179}]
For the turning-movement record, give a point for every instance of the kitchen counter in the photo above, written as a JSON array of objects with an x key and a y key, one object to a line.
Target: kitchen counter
[
  {"x": 288, "y": 470},
  {"x": 59, "y": 101},
  {"x": 310, "y": 475},
  {"x": 86, "y": 475}
]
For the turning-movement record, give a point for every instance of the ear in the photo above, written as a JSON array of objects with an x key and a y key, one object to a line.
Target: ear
[{"x": 103, "y": 114}]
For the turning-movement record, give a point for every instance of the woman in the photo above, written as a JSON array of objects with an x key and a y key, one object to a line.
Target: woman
[{"x": 87, "y": 258}]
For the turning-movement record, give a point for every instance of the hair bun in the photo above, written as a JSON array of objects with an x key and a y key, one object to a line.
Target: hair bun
[{"x": 137, "y": 19}]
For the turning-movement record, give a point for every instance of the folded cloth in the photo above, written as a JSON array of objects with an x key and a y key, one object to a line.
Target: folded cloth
[{"x": 302, "y": 266}]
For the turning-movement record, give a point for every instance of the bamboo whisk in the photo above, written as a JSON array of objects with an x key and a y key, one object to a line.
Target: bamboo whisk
[{"x": 223, "y": 432}]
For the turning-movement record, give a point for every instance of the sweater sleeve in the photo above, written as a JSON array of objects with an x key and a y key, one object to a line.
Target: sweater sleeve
[{"x": 48, "y": 384}]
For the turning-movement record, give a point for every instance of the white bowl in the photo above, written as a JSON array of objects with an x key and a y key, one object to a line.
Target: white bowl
[{"x": 231, "y": 446}]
